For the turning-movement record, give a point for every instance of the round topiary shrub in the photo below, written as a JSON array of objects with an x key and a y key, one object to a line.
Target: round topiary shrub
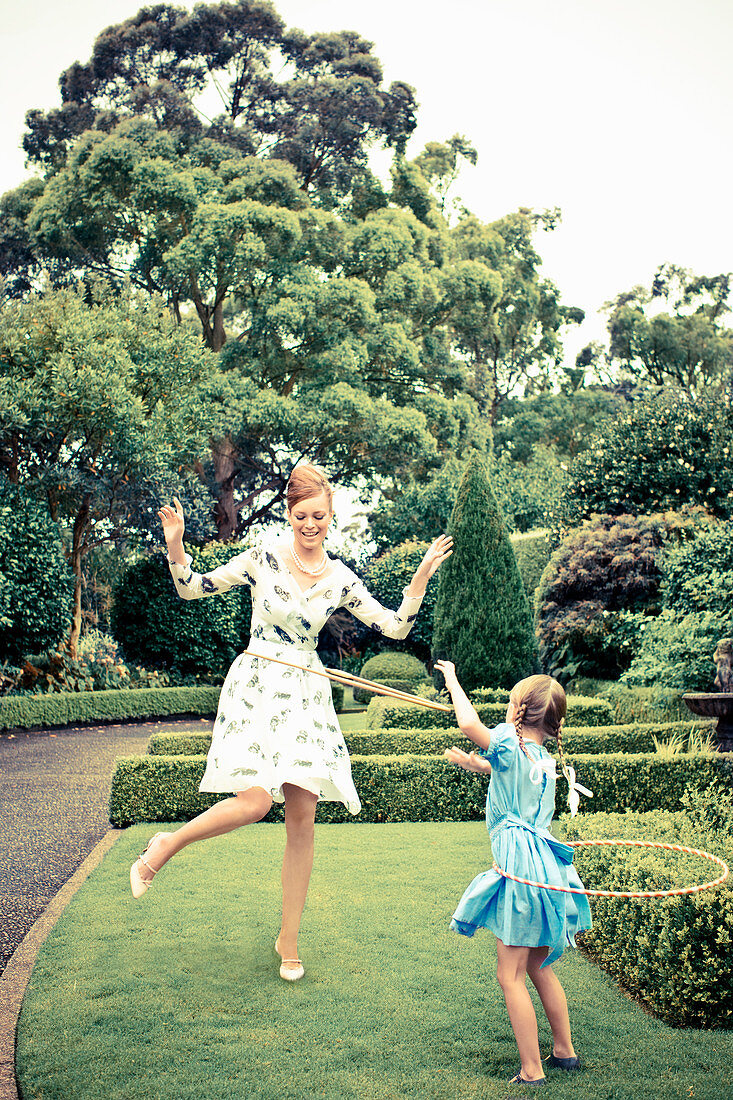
[
  {"x": 156, "y": 628},
  {"x": 393, "y": 665},
  {"x": 36, "y": 585}
]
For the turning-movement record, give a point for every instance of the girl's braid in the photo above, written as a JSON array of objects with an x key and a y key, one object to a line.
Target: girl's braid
[
  {"x": 518, "y": 719},
  {"x": 558, "y": 738}
]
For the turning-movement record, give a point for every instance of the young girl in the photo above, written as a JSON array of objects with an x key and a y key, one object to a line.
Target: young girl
[{"x": 532, "y": 925}]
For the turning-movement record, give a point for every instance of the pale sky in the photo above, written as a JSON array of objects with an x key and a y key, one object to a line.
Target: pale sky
[{"x": 617, "y": 111}]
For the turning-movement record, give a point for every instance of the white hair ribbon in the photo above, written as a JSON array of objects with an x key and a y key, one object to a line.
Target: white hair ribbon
[
  {"x": 540, "y": 766},
  {"x": 575, "y": 789}
]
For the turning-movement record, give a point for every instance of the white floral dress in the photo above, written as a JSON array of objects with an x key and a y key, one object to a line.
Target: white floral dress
[{"x": 278, "y": 725}]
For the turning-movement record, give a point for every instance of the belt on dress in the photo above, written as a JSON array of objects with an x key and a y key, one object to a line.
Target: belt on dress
[
  {"x": 259, "y": 643},
  {"x": 562, "y": 852}
]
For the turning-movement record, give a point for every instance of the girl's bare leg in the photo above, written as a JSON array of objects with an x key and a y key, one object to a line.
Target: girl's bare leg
[
  {"x": 243, "y": 808},
  {"x": 300, "y": 813},
  {"x": 554, "y": 1002},
  {"x": 512, "y": 974}
]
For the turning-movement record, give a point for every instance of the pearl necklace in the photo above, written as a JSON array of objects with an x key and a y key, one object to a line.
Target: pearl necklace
[{"x": 310, "y": 572}]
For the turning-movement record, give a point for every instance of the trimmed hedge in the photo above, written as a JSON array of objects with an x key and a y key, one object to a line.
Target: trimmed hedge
[
  {"x": 431, "y": 742},
  {"x": 76, "y": 708},
  {"x": 79, "y": 707},
  {"x": 420, "y": 788},
  {"x": 383, "y": 713},
  {"x": 673, "y": 953}
]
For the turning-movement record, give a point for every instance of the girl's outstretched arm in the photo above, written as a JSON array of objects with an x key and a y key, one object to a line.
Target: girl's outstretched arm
[{"x": 469, "y": 721}]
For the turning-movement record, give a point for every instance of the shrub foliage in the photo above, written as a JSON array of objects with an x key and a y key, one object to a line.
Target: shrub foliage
[{"x": 482, "y": 618}]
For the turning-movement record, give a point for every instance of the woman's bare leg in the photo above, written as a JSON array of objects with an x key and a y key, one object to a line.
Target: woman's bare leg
[
  {"x": 243, "y": 808},
  {"x": 300, "y": 813},
  {"x": 554, "y": 1001},
  {"x": 512, "y": 974}
]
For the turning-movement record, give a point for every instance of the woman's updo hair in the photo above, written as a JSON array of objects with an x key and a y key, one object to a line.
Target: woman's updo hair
[
  {"x": 542, "y": 705},
  {"x": 308, "y": 481}
]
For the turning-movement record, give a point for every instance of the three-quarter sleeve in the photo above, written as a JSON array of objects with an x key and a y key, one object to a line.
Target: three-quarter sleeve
[
  {"x": 192, "y": 586},
  {"x": 363, "y": 606}
]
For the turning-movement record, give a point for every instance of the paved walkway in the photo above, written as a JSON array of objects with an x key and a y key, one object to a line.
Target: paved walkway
[{"x": 54, "y": 808}]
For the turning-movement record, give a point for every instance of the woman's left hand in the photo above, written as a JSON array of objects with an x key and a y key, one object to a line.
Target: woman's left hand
[{"x": 435, "y": 555}]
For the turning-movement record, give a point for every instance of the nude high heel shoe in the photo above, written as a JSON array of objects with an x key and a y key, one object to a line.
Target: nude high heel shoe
[
  {"x": 290, "y": 974},
  {"x": 138, "y": 884}
]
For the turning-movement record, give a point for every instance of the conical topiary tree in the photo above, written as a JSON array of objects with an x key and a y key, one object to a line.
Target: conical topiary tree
[{"x": 482, "y": 619}]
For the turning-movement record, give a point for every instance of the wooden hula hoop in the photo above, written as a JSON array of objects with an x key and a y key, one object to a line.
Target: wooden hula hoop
[
  {"x": 630, "y": 893},
  {"x": 349, "y": 680}
]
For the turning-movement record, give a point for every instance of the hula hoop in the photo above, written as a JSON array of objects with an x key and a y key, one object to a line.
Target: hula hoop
[{"x": 630, "y": 893}]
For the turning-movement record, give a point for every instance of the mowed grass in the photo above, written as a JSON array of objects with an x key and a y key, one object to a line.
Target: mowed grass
[{"x": 177, "y": 996}]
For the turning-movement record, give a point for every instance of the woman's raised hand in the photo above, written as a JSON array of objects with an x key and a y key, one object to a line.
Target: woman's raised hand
[
  {"x": 173, "y": 522},
  {"x": 469, "y": 761},
  {"x": 435, "y": 555}
]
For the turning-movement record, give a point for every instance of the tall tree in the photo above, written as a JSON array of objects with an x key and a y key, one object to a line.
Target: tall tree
[
  {"x": 482, "y": 619},
  {"x": 687, "y": 345},
  {"x": 101, "y": 408}
]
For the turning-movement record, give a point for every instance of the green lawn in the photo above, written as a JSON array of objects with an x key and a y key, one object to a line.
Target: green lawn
[{"x": 177, "y": 997}]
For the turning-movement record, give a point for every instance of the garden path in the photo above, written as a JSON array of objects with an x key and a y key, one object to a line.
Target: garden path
[{"x": 54, "y": 808}]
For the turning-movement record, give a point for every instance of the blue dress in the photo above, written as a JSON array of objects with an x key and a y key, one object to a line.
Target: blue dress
[{"x": 519, "y": 809}]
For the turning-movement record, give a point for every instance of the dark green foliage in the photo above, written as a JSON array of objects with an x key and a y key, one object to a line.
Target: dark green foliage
[
  {"x": 431, "y": 742},
  {"x": 82, "y": 707},
  {"x": 698, "y": 575},
  {"x": 157, "y": 628},
  {"x": 416, "y": 788},
  {"x": 482, "y": 618},
  {"x": 677, "y": 651},
  {"x": 656, "y": 703},
  {"x": 386, "y": 576},
  {"x": 606, "y": 569},
  {"x": 531, "y": 493},
  {"x": 36, "y": 585},
  {"x": 397, "y": 665},
  {"x": 666, "y": 451},
  {"x": 674, "y": 954},
  {"x": 385, "y": 713},
  {"x": 532, "y": 551}
]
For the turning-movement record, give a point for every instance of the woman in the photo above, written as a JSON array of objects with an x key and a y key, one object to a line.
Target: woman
[{"x": 276, "y": 735}]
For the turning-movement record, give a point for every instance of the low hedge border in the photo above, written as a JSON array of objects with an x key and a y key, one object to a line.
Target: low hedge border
[
  {"x": 384, "y": 713},
  {"x": 79, "y": 707},
  {"x": 421, "y": 788},
  {"x": 363, "y": 695},
  {"x": 74, "y": 708},
  {"x": 672, "y": 953},
  {"x": 391, "y": 742}
]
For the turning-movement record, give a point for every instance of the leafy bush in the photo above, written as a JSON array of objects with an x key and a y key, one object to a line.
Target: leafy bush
[
  {"x": 678, "y": 651},
  {"x": 432, "y": 742},
  {"x": 530, "y": 493},
  {"x": 384, "y": 713},
  {"x": 657, "y": 703},
  {"x": 79, "y": 707},
  {"x": 385, "y": 577},
  {"x": 98, "y": 667},
  {"x": 158, "y": 629},
  {"x": 666, "y": 451},
  {"x": 673, "y": 954},
  {"x": 603, "y": 571},
  {"x": 395, "y": 665},
  {"x": 482, "y": 618},
  {"x": 36, "y": 585},
  {"x": 698, "y": 575},
  {"x": 416, "y": 788},
  {"x": 532, "y": 551}
]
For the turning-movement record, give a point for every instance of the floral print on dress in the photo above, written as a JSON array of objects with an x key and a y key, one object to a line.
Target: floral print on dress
[{"x": 277, "y": 724}]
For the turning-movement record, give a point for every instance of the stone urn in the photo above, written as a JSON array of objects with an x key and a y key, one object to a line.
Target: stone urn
[{"x": 718, "y": 704}]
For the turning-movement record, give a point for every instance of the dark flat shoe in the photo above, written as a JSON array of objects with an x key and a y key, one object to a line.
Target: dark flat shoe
[
  {"x": 564, "y": 1063},
  {"x": 519, "y": 1080}
]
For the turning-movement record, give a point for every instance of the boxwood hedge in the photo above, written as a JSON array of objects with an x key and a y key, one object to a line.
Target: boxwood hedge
[{"x": 383, "y": 713}]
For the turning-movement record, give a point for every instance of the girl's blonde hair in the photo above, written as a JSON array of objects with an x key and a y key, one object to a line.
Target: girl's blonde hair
[
  {"x": 542, "y": 705},
  {"x": 308, "y": 481}
]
